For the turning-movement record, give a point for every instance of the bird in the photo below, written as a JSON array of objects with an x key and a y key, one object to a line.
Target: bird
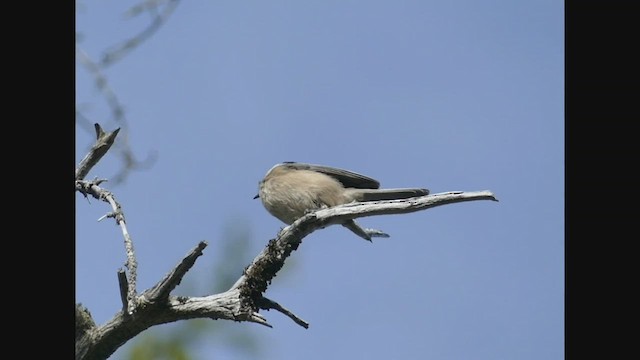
[{"x": 290, "y": 190}]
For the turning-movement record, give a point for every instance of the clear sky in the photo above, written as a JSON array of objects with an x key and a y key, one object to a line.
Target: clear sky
[{"x": 448, "y": 95}]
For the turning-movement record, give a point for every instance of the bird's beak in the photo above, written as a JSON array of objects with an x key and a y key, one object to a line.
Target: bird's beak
[{"x": 257, "y": 196}]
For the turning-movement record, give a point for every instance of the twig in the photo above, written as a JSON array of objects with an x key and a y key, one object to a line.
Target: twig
[
  {"x": 124, "y": 289},
  {"x": 90, "y": 188},
  {"x": 118, "y": 51},
  {"x": 104, "y": 140},
  {"x": 118, "y": 112},
  {"x": 388, "y": 207},
  {"x": 98, "y": 150},
  {"x": 163, "y": 288},
  {"x": 103, "y": 85},
  {"x": 267, "y": 304}
]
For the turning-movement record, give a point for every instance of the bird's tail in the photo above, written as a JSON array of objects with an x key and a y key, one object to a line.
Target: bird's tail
[{"x": 386, "y": 194}]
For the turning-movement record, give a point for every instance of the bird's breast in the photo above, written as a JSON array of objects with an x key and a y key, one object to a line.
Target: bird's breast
[{"x": 290, "y": 196}]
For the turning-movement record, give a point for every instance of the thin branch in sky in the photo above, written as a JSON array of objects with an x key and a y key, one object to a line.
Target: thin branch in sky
[{"x": 118, "y": 51}]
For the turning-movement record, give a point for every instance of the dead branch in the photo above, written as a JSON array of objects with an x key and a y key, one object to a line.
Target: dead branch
[
  {"x": 102, "y": 145},
  {"x": 244, "y": 300},
  {"x": 98, "y": 150}
]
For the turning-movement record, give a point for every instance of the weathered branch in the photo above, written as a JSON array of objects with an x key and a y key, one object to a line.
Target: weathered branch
[
  {"x": 155, "y": 308},
  {"x": 84, "y": 321},
  {"x": 124, "y": 289},
  {"x": 268, "y": 304},
  {"x": 117, "y": 110},
  {"x": 104, "y": 141},
  {"x": 388, "y": 207},
  {"x": 162, "y": 289},
  {"x": 244, "y": 300},
  {"x": 100, "y": 342},
  {"x": 91, "y": 188},
  {"x": 102, "y": 145},
  {"x": 258, "y": 275}
]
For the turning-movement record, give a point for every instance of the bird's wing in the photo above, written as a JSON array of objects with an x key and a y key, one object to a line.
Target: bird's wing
[{"x": 346, "y": 177}]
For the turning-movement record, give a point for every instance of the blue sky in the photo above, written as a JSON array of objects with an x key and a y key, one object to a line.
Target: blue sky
[{"x": 447, "y": 95}]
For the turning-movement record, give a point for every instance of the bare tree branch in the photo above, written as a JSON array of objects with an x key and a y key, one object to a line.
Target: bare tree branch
[
  {"x": 160, "y": 11},
  {"x": 102, "y": 84},
  {"x": 388, "y": 207},
  {"x": 244, "y": 300},
  {"x": 162, "y": 290},
  {"x": 91, "y": 188},
  {"x": 158, "y": 19},
  {"x": 100, "y": 342},
  {"x": 118, "y": 113},
  {"x": 102, "y": 145},
  {"x": 268, "y": 304}
]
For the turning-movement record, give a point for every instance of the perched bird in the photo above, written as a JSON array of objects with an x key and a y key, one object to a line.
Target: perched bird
[{"x": 290, "y": 190}]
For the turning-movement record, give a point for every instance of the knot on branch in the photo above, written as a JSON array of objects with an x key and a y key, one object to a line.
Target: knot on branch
[{"x": 258, "y": 275}]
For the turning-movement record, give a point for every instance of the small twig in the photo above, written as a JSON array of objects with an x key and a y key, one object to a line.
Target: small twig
[
  {"x": 163, "y": 288},
  {"x": 90, "y": 188},
  {"x": 117, "y": 110},
  {"x": 102, "y": 145},
  {"x": 259, "y": 319},
  {"x": 132, "y": 267},
  {"x": 103, "y": 85},
  {"x": 118, "y": 51},
  {"x": 124, "y": 289},
  {"x": 268, "y": 304}
]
